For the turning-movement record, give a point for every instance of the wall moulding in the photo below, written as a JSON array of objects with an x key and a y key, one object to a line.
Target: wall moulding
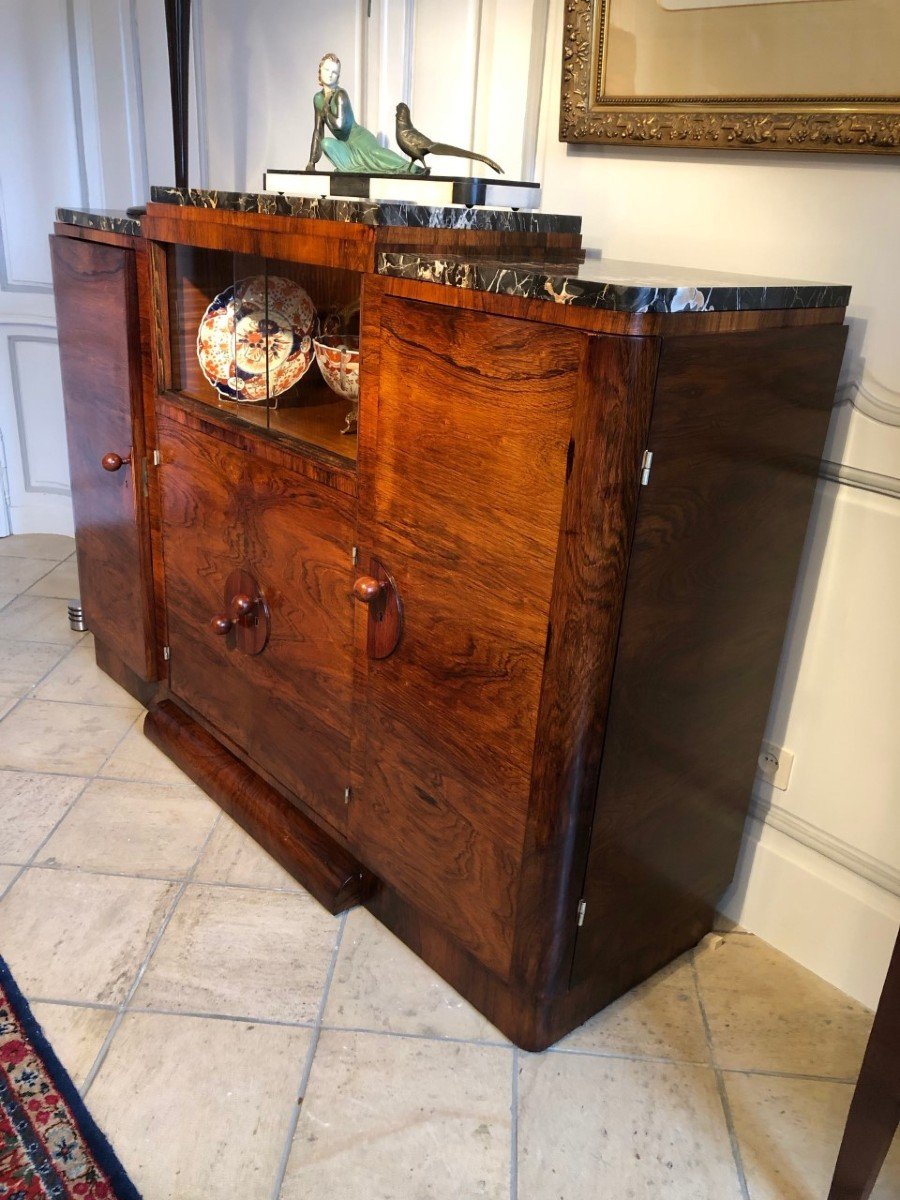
[
  {"x": 31, "y": 482},
  {"x": 867, "y": 867},
  {"x": 853, "y": 124},
  {"x": 877, "y": 401}
]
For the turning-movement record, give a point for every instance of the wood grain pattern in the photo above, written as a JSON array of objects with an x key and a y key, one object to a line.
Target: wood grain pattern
[
  {"x": 874, "y": 1115},
  {"x": 289, "y": 706},
  {"x": 144, "y": 423},
  {"x": 609, "y": 436},
  {"x": 737, "y": 433},
  {"x": 150, "y": 290},
  {"x": 99, "y": 343},
  {"x": 324, "y": 868},
  {"x": 473, "y": 427},
  {"x": 280, "y": 452}
]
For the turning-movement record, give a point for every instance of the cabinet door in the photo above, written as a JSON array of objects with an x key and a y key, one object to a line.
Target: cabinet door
[
  {"x": 225, "y": 510},
  {"x": 461, "y": 503},
  {"x": 99, "y": 346}
]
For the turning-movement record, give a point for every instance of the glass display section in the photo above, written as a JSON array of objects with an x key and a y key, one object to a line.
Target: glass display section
[{"x": 274, "y": 344}]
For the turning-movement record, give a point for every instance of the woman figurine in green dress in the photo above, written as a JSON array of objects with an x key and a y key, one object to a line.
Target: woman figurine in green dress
[{"x": 353, "y": 147}]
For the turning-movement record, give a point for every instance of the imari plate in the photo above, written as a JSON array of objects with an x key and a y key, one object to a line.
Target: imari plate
[{"x": 254, "y": 341}]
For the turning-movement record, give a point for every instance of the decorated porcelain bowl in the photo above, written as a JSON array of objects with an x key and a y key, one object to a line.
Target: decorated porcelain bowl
[
  {"x": 255, "y": 339},
  {"x": 338, "y": 358}
]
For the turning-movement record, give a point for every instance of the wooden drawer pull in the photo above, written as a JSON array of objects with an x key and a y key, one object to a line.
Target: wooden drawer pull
[
  {"x": 243, "y": 605},
  {"x": 378, "y": 592},
  {"x": 114, "y": 462},
  {"x": 368, "y": 590},
  {"x": 221, "y": 625}
]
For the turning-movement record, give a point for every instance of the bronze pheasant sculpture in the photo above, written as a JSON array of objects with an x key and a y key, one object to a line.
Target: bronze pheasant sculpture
[{"x": 417, "y": 145}]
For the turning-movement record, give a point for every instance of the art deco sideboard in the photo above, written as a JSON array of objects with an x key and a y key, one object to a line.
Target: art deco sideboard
[{"x": 499, "y": 667}]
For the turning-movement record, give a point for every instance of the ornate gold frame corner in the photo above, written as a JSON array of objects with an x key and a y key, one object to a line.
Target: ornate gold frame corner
[{"x": 848, "y": 126}]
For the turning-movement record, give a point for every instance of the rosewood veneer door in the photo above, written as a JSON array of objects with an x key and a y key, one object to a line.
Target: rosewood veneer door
[
  {"x": 226, "y": 509},
  {"x": 460, "y": 502},
  {"x": 97, "y": 319}
]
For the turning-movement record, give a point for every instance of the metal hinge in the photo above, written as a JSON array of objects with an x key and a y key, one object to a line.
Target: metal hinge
[
  {"x": 646, "y": 465},
  {"x": 167, "y": 653},
  {"x": 582, "y": 907},
  {"x": 348, "y": 795},
  {"x": 157, "y": 458},
  {"x": 354, "y": 555}
]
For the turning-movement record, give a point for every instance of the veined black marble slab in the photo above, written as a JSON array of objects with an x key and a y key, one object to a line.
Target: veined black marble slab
[
  {"x": 617, "y": 286},
  {"x": 108, "y": 219},
  {"x": 370, "y": 212}
]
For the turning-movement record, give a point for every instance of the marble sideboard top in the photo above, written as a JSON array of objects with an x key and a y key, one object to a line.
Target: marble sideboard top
[
  {"x": 110, "y": 220},
  {"x": 617, "y": 286},
  {"x": 382, "y": 213},
  {"x": 597, "y": 283}
]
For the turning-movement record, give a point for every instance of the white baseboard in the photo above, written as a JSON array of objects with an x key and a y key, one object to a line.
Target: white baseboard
[
  {"x": 43, "y": 514},
  {"x": 819, "y": 912}
]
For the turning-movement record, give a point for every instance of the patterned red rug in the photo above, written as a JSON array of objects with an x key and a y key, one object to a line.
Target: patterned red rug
[{"x": 50, "y": 1147}]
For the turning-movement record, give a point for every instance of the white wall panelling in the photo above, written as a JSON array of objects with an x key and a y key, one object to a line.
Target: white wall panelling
[
  {"x": 260, "y": 65},
  {"x": 41, "y": 141},
  {"x": 30, "y": 406},
  {"x": 49, "y": 154},
  {"x": 444, "y": 75},
  {"x": 508, "y": 85},
  {"x": 388, "y": 52}
]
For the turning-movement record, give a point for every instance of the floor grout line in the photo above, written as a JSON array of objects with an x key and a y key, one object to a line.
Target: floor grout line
[
  {"x": 720, "y": 1087},
  {"x": 81, "y": 703},
  {"x": 27, "y": 591},
  {"x": 514, "y": 1128},
  {"x": 418, "y": 1037},
  {"x": 63, "y": 869},
  {"x": 29, "y": 865},
  {"x": 27, "y": 696},
  {"x": 307, "y": 1067},
  {"x": 92, "y": 1004},
  {"x": 114, "y": 1028}
]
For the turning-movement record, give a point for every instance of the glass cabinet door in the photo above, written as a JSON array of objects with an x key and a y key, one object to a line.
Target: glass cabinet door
[{"x": 271, "y": 343}]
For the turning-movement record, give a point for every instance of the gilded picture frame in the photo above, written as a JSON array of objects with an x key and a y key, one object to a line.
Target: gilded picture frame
[{"x": 591, "y": 113}]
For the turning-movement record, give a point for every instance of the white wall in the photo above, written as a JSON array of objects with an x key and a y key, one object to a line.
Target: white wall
[{"x": 820, "y": 869}]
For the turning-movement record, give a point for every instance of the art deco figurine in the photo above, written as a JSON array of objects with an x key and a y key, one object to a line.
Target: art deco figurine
[
  {"x": 417, "y": 145},
  {"x": 353, "y": 147}
]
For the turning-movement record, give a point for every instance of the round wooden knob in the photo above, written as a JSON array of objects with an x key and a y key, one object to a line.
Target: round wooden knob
[
  {"x": 114, "y": 462},
  {"x": 243, "y": 605},
  {"x": 221, "y": 625},
  {"x": 366, "y": 589}
]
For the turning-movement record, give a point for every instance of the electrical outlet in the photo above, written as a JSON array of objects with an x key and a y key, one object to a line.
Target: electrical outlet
[{"x": 774, "y": 765}]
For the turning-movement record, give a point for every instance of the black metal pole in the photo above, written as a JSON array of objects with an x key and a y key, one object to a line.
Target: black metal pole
[{"x": 178, "y": 33}]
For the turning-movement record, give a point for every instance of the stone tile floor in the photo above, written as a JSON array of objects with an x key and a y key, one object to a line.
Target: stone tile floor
[{"x": 235, "y": 1040}]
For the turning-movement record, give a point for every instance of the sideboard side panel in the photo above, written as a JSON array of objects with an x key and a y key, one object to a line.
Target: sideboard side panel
[
  {"x": 739, "y": 424},
  {"x": 99, "y": 344},
  {"x": 609, "y": 436}
]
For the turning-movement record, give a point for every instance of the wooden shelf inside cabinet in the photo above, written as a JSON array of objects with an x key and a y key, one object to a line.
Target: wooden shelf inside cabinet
[
  {"x": 311, "y": 429},
  {"x": 308, "y": 413}
]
